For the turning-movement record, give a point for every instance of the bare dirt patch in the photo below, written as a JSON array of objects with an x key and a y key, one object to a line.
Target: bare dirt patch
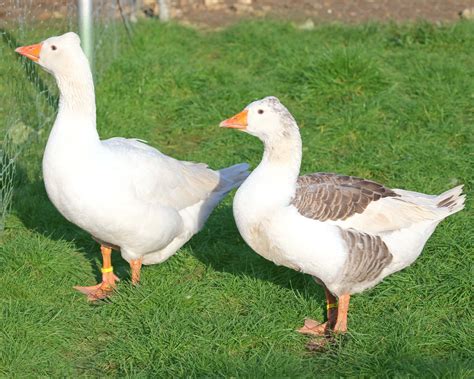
[
  {"x": 222, "y": 12},
  {"x": 216, "y": 13}
]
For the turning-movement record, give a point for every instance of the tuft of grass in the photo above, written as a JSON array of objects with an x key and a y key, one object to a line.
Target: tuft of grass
[{"x": 392, "y": 103}]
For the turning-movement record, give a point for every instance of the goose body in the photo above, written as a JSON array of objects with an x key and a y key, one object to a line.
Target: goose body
[
  {"x": 349, "y": 255},
  {"x": 126, "y": 194},
  {"x": 348, "y": 233},
  {"x": 129, "y": 195}
]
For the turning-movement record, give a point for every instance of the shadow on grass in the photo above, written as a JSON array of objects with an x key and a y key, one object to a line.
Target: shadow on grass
[
  {"x": 219, "y": 245},
  {"x": 33, "y": 207}
]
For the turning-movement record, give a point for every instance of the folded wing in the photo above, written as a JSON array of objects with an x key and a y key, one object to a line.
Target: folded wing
[
  {"x": 364, "y": 205},
  {"x": 159, "y": 179}
]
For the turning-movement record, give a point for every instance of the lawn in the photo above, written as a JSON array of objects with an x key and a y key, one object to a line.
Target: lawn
[{"x": 390, "y": 103}]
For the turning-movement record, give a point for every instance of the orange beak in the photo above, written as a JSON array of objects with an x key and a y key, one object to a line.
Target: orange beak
[
  {"x": 32, "y": 52},
  {"x": 239, "y": 121}
]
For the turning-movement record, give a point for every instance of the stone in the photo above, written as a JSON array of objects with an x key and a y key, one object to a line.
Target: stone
[
  {"x": 212, "y": 3},
  {"x": 467, "y": 14},
  {"x": 243, "y": 8},
  {"x": 307, "y": 25}
]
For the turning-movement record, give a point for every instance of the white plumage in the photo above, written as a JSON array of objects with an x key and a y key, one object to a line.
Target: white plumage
[
  {"x": 349, "y": 233},
  {"x": 125, "y": 193}
]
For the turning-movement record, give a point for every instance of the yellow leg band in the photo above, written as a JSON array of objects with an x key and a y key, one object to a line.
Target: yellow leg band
[
  {"x": 333, "y": 305},
  {"x": 106, "y": 270}
]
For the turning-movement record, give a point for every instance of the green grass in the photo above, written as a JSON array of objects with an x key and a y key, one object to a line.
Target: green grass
[{"x": 390, "y": 103}]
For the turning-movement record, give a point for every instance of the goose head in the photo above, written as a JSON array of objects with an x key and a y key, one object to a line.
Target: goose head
[
  {"x": 62, "y": 56},
  {"x": 267, "y": 119}
]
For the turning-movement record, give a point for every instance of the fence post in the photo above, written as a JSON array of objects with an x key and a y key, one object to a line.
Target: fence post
[
  {"x": 86, "y": 29},
  {"x": 164, "y": 10}
]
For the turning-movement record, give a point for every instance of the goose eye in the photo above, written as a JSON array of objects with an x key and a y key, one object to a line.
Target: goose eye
[
  {"x": 53, "y": 47},
  {"x": 260, "y": 111}
]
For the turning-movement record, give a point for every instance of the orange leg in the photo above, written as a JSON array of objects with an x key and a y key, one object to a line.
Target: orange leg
[
  {"x": 321, "y": 329},
  {"x": 341, "y": 324},
  {"x": 136, "y": 265},
  {"x": 104, "y": 289}
]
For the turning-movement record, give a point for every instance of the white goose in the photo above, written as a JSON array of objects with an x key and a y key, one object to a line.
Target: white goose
[
  {"x": 126, "y": 194},
  {"x": 348, "y": 233}
]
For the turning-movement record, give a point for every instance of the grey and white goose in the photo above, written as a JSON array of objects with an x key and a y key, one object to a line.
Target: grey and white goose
[{"x": 348, "y": 233}]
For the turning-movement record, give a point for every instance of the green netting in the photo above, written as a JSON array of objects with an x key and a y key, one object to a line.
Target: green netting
[
  {"x": 7, "y": 160},
  {"x": 28, "y": 96}
]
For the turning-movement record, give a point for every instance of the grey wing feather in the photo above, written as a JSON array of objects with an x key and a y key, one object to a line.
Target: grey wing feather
[
  {"x": 367, "y": 256},
  {"x": 327, "y": 196}
]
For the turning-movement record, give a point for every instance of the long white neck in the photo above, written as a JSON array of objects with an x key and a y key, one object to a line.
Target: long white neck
[
  {"x": 77, "y": 113},
  {"x": 77, "y": 95},
  {"x": 272, "y": 184},
  {"x": 283, "y": 154}
]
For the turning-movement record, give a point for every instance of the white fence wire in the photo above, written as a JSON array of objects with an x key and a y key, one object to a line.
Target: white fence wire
[{"x": 28, "y": 99}]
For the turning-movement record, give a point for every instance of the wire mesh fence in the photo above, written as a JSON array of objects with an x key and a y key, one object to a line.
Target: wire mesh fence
[
  {"x": 7, "y": 160},
  {"x": 29, "y": 98}
]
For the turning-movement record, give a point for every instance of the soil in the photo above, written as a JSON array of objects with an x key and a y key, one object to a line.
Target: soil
[
  {"x": 216, "y": 13},
  {"x": 346, "y": 11}
]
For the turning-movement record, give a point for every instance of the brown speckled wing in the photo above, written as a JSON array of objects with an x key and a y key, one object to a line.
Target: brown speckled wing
[
  {"x": 368, "y": 255},
  {"x": 326, "y": 196}
]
